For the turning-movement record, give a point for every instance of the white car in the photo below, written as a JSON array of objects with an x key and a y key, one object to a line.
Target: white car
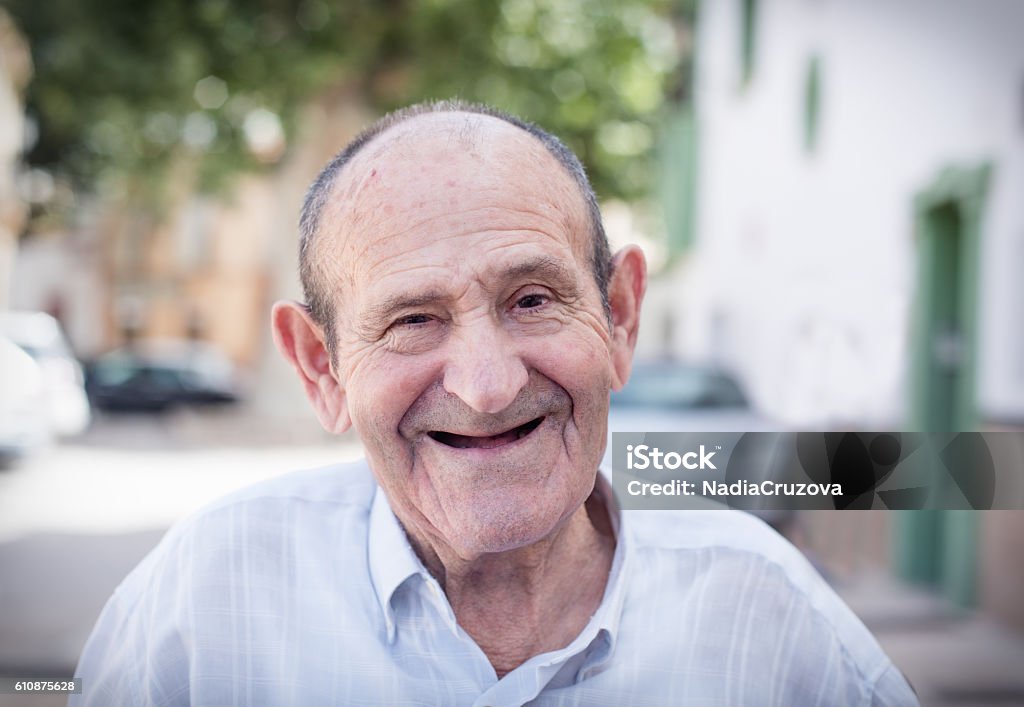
[
  {"x": 40, "y": 336},
  {"x": 24, "y": 422}
]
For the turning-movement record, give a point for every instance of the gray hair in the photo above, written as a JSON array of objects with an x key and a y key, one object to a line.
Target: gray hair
[{"x": 318, "y": 298}]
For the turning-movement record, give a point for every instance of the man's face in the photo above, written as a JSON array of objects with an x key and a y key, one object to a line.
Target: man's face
[{"x": 473, "y": 349}]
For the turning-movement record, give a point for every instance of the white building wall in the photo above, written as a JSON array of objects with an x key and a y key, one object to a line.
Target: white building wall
[{"x": 806, "y": 260}]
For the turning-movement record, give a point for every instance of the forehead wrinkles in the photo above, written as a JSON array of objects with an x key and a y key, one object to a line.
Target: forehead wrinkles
[
  {"x": 394, "y": 185},
  {"x": 482, "y": 252}
]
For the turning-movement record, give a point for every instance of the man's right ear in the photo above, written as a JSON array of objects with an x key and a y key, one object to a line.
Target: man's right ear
[{"x": 301, "y": 341}]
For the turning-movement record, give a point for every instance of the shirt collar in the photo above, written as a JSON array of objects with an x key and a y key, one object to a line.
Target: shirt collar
[
  {"x": 609, "y": 614},
  {"x": 392, "y": 561}
]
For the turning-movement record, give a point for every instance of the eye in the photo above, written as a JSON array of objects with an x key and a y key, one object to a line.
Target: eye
[
  {"x": 412, "y": 320},
  {"x": 531, "y": 301}
]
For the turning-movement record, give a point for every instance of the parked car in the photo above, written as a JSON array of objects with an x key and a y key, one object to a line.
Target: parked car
[
  {"x": 666, "y": 396},
  {"x": 673, "y": 397},
  {"x": 40, "y": 335},
  {"x": 24, "y": 423},
  {"x": 158, "y": 375}
]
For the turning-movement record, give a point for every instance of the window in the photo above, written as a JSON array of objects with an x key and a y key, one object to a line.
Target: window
[
  {"x": 812, "y": 103},
  {"x": 748, "y": 43}
]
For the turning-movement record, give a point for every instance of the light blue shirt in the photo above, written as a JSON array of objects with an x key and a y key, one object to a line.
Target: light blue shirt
[{"x": 305, "y": 591}]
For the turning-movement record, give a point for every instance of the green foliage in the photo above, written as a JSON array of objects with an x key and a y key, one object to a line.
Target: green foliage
[{"x": 125, "y": 89}]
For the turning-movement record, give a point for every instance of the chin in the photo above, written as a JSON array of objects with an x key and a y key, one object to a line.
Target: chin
[{"x": 502, "y": 530}]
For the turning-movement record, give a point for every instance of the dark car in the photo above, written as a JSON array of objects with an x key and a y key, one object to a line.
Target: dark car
[{"x": 157, "y": 377}]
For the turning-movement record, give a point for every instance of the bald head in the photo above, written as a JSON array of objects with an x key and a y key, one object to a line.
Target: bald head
[{"x": 460, "y": 129}]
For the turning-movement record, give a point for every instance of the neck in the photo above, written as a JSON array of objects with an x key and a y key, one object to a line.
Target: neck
[{"x": 531, "y": 600}]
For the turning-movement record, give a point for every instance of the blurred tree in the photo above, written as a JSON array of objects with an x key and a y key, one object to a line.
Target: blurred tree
[{"x": 125, "y": 90}]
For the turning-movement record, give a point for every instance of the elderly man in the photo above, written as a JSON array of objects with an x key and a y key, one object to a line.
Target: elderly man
[{"x": 466, "y": 319}]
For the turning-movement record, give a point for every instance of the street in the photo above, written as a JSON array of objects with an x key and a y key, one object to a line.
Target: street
[{"x": 140, "y": 473}]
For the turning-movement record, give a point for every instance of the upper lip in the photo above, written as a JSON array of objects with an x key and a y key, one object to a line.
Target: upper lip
[
  {"x": 530, "y": 424},
  {"x": 489, "y": 431}
]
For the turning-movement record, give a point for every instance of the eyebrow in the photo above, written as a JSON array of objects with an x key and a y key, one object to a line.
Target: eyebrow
[
  {"x": 543, "y": 268},
  {"x": 383, "y": 311}
]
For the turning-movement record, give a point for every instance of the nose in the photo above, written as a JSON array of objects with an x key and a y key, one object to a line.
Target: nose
[{"x": 484, "y": 369}]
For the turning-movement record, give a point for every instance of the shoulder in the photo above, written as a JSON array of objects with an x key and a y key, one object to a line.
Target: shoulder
[
  {"x": 340, "y": 493},
  {"x": 344, "y": 485},
  {"x": 693, "y": 530},
  {"x": 719, "y": 544},
  {"x": 272, "y": 521},
  {"x": 339, "y": 489},
  {"x": 731, "y": 536},
  {"x": 224, "y": 572},
  {"x": 733, "y": 571},
  {"x": 256, "y": 535},
  {"x": 722, "y": 548}
]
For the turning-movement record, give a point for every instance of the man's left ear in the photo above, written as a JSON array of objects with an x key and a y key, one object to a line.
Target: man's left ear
[{"x": 625, "y": 294}]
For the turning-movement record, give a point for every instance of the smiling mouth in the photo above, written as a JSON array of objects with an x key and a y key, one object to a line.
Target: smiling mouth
[{"x": 468, "y": 442}]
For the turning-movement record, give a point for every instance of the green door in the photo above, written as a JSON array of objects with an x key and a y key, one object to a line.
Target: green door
[{"x": 939, "y": 548}]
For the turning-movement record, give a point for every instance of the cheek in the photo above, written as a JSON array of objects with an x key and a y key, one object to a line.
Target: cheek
[
  {"x": 584, "y": 350},
  {"x": 581, "y": 365},
  {"x": 382, "y": 390}
]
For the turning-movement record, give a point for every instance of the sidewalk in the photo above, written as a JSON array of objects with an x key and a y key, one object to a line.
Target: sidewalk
[{"x": 953, "y": 658}]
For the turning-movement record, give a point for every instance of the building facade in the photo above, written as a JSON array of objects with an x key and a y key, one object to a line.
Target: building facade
[{"x": 859, "y": 235}]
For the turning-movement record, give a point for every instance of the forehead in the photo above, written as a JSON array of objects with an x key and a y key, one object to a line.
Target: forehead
[
  {"x": 437, "y": 177},
  {"x": 482, "y": 146}
]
